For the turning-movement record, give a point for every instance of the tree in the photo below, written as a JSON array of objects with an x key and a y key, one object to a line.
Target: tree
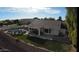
[
  {"x": 7, "y": 22},
  {"x": 1, "y": 24},
  {"x": 51, "y": 18},
  {"x": 60, "y": 18},
  {"x": 71, "y": 22},
  {"x": 17, "y": 22},
  {"x": 36, "y": 18},
  {"x": 45, "y": 18}
]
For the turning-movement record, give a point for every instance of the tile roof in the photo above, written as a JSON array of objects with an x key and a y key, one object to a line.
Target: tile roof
[{"x": 44, "y": 24}]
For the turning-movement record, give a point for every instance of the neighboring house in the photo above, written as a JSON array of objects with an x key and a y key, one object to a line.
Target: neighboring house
[
  {"x": 7, "y": 27},
  {"x": 26, "y": 21},
  {"x": 47, "y": 29},
  {"x": 16, "y": 31},
  {"x": 23, "y": 27}
]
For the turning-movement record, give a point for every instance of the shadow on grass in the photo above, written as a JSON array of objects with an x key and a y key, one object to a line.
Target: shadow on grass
[{"x": 52, "y": 45}]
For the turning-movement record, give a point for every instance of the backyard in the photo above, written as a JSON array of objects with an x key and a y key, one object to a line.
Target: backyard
[{"x": 55, "y": 46}]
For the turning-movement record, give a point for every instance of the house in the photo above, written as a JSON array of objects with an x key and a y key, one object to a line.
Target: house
[
  {"x": 7, "y": 27},
  {"x": 47, "y": 29},
  {"x": 26, "y": 21},
  {"x": 16, "y": 31}
]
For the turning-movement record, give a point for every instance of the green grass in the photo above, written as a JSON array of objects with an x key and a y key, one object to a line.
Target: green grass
[
  {"x": 51, "y": 45},
  {"x": 22, "y": 37},
  {"x": 56, "y": 46}
]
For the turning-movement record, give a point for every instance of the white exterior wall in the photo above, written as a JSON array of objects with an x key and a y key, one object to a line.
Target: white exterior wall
[
  {"x": 55, "y": 30},
  {"x": 63, "y": 31}
]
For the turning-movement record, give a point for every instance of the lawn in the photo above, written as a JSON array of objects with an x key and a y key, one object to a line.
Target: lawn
[
  {"x": 51, "y": 45},
  {"x": 22, "y": 37}
]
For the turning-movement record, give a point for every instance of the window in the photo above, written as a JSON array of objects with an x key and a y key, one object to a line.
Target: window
[{"x": 47, "y": 30}]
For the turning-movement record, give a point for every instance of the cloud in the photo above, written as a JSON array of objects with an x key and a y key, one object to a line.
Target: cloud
[
  {"x": 46, "y": 10},
  {"x": 31, "y": 10},
  {"x": 41, "y": 12},
  {"x": 52, "y": 11}
]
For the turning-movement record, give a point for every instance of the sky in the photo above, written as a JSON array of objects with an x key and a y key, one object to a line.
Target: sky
[{"x": 30, "y": 12}]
